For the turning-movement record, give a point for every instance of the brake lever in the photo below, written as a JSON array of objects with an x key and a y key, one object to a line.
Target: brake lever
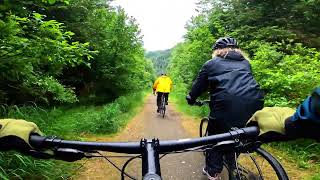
[
  {"x": 68, "y": 154},
  {"x": 198, "y": 103},
  {"x": 65, "y": 154},
  {"x": 248, "y": 146},
  {"x": 40, "y": 154}
]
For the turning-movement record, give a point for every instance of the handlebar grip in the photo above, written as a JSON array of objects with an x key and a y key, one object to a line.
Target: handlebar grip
[
  {"x": 65, "y": 154},
  {"x": 40, "y": 142},
  {"x": 252, "y": 131},
  {"x": 36, "y": 141}
]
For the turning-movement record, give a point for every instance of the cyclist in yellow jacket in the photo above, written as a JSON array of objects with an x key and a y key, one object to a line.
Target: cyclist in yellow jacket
[{"x": 162, "y": 86}]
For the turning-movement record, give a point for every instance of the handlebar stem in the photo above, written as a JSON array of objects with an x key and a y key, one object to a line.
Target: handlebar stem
[{"x": 150, "y": 160}]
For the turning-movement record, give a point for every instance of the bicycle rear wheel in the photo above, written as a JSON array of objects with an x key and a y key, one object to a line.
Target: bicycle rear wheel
[
  {"x": 259, "y": 165},
  {"x": 163, "y": 106}
]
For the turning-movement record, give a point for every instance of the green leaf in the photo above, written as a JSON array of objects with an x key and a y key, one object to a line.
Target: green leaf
[
  {"x": 37, "y": 16},
  {"x": 51, "y": 2}
]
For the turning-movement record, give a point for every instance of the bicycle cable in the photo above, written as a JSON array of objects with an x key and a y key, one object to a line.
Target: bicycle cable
[
  {"x": 237, "y": 166},
  {"x": 123, "y": 173},
  {"x": 75, "y": 171},
  {"x": 93, "y": 156},
  {"x": 197, "y": 149},
  {"x": 115, "y": 166},
  {"x": 125, "y": 165}
]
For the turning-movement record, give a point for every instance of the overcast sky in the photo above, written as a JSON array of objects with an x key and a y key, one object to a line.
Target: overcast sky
[{"x": 162, "y": 22}]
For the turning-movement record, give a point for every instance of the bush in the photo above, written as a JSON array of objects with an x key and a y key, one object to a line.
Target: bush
[
  {"x": 287, "y": 78},
  {"x": 68, "y": 123}
]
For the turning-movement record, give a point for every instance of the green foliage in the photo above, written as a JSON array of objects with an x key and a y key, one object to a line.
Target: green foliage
[
  {"x": 179, "y": 97},
  {"x": 119, "y": 67},
  {"x": 304, "y": 152},
  {"x": 160, "y": 60},
  {"x": 57, "y": 52},
  {"x": 67, "y": 122},
  {"x": 281, "y": 74},
  {"x": 45, "y": 52},
  {"x": 283, "y": 64},
  {"x": 280, "y": 38},
  {"x": 18, "y": 166},
  {"x": 106, "y": 119},
  {"x": 188, "y": 57},
  {"x": 33, "y": 54}
]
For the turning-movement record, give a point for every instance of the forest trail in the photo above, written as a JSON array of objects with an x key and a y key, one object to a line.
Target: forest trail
[{"x": 148, "y": 124}]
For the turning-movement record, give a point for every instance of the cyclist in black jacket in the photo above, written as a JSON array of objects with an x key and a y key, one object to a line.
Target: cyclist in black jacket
[{"x": 234, "y": 96}]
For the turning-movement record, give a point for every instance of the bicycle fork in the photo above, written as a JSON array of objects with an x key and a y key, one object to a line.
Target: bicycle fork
[{"x": 150, "y": 159}]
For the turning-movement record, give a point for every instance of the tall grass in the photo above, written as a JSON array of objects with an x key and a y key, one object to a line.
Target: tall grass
[
  {"x": 67, "y": 122},
  {"x": 305, "y": 153}
]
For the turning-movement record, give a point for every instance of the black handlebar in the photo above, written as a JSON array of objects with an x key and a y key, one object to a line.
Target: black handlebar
[
  {"x": 178, "y": 145},
  {"x": 149, "y": 149},
  {"x": 40, "y": 142}
]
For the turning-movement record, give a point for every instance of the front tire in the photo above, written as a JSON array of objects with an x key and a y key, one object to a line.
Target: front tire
[
  {"x": 203, "y": 131},
  {"x": 259, "y": 165}
]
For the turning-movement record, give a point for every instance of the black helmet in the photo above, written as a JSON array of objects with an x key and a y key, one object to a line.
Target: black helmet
[{"x": 224, "y": 43}]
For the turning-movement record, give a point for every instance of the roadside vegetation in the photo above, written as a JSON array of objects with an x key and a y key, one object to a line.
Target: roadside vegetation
[
  {"x": 160, "y": 60},
  {"x": 69, "y": 122},
  {"x": 281, "y": 41},
  {"x": 74, "y": 67},
  {"x": 78, "y": 67}
]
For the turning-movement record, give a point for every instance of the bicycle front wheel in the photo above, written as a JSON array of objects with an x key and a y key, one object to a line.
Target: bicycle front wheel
[
  {"x": 259, "y": 165},
  {"x": 203, "y": 130}
]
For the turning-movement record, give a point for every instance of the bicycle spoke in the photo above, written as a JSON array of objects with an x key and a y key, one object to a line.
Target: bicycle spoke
[{"x": 254, "y": 166}]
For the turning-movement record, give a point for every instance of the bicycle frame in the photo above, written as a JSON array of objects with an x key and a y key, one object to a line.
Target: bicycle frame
[{"x": 149, "y": 149}]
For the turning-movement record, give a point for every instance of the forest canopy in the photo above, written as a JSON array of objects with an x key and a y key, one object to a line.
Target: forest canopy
[{"x": 54, "y": 51}]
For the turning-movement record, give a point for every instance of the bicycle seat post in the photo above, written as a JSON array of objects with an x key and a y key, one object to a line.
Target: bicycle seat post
[{"x": 150, "y": 159}]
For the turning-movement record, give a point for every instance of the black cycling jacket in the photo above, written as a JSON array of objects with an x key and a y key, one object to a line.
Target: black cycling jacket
[{"x": 234, "y": 93}]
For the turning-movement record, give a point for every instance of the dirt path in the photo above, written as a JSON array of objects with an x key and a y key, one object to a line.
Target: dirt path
[{"x": 149, "y": 124}]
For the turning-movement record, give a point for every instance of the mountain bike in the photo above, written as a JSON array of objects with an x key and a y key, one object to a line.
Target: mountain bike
[
  {"x": 257, "y": 164},
  {"x": 149, "y": 150}
]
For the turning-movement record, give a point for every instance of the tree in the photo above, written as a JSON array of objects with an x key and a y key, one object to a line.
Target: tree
[{"x": 34, "y": 52}]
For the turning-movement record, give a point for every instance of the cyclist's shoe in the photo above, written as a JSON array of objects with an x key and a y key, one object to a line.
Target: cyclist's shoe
[{"x": 215, "y": 177}]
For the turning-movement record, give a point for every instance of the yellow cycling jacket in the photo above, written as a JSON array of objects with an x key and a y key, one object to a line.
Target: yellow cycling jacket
[{"x": 163, "y": 84}]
